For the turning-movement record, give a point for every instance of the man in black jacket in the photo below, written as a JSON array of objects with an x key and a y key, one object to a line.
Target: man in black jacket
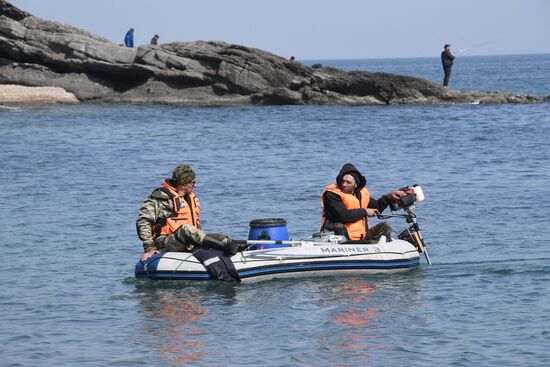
[
  {"x": 447, "y": 60},
  {"x": 347, "y": 204}
]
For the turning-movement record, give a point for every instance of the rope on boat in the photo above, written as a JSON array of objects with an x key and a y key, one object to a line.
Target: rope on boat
[
  {"x": 182, "y": 261},
  {"x": 146, "y": 263}
]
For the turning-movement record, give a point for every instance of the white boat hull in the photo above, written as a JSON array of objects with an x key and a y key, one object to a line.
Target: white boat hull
[{"x": 305, "y": 259}]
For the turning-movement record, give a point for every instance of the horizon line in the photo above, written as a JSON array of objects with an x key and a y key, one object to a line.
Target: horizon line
[{"x": 420, "y": 57}]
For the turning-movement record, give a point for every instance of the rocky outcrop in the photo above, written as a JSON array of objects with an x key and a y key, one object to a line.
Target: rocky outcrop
[{"x": 35, "y": 52}]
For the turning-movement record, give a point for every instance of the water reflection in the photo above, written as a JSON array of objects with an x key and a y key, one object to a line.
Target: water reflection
[
  {"x": 346, "y": 320},
  {"x": 358, "y": 321},
  {"x": 173, "y": 320},
  {"x": 175, "y": 315},
  {"x": 364, "y": 314}
]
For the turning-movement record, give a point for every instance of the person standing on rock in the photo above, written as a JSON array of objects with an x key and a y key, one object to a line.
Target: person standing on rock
[
  {"x": 447, "y": 60},
  {"x": 129, "y": 38},
  {"x": 154, "y": 40}
]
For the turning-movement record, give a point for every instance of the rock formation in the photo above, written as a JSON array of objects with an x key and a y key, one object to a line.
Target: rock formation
[{"x": 36, "y": 52}]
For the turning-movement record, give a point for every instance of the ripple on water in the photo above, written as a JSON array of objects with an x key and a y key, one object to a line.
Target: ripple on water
[{"x": 73, "y": 179}]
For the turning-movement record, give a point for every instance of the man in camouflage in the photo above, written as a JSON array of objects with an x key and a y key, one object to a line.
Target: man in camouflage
[{"x": 159, "y": 208}]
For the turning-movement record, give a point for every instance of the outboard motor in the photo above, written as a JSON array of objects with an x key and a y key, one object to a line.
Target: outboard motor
[{"x": 414, "y": 195}]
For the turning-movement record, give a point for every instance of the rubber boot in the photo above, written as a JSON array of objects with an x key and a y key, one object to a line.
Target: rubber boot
[
  {"x": 230, "y": 247},
  {"x": 239, "y": 245},
  {"x": 211, "y": 242},
  {"x": 235, "y": 246}
]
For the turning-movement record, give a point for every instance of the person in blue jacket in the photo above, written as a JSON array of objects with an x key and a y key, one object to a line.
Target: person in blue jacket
[{"x": 129, "y": 38}]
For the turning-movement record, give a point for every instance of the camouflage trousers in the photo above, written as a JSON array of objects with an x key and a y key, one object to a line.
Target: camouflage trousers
[
  {"x": 187, "y": 238},
  {"x": 373, "y": 234},
  {"x": 381, "y": 229}
]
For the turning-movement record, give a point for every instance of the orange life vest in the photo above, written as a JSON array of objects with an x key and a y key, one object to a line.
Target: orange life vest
[
  {"x": 183, "y": 213},
  {"x": 356, "y": 230}
]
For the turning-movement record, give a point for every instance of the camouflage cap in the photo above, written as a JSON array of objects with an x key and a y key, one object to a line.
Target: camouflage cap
[{"x": 183, "y": 175}]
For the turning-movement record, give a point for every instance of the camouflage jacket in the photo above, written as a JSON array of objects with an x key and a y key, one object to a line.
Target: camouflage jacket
[{"x": 157, "y": 206}]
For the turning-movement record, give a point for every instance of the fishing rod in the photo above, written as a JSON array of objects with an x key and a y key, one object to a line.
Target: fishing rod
[{"x": 478, "y": 45}]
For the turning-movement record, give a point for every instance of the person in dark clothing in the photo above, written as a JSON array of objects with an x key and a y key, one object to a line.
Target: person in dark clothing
[
  {"x": 347, "y": 204},
  {"x": 129, "y": 38},
  {"x": 154, "y": 40},
  {"x": 447, "y": 60}
]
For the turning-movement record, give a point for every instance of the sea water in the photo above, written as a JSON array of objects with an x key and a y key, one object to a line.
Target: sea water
[{"x": 73, "y": 178}]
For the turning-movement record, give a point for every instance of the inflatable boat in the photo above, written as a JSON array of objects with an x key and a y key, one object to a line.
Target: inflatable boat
[
  {"x": 298, "y": 259},
  {"x": 272, "y": 255}
]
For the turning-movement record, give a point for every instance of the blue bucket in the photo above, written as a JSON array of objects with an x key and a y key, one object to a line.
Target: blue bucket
[{"x": 269, "y": 229}]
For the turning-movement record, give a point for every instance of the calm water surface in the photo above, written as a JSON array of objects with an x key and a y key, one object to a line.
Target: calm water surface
[{"x": 73, "y": 178}]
